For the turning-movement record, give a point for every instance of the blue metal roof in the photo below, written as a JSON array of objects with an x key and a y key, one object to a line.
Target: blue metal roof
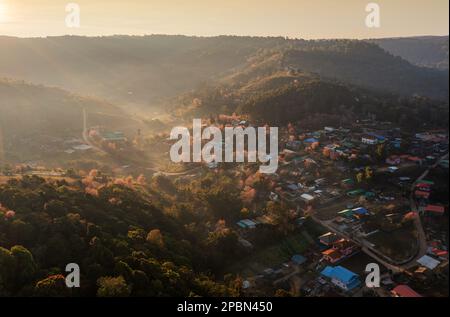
[
  {"x": 328, "y": 271},
  {"x": 311, "y": 140},
  {"x": 340, "y": 273},
  {"x": 361, "y": 211},
  {"x": 379, "y": 137}
]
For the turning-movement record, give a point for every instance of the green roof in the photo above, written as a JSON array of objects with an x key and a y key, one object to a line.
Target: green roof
[
  {"x": 347, "y": 144},
  {"x": 346, "y": 213},
  {"x": 113, "y": 136},
  {"x": 356, "y": 192}
]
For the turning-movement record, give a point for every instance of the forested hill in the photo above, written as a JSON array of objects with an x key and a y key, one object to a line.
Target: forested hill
[
  {"x": 124, "y": 244},
  {"x": 427, "y": 51},
  {"x": 333, "y": 101},
  {"x": 367, "y": 65},
  {"x": 27, "y": 109},
  {"x": 279, "y": 87},
  {"x": 144, "y": 69}
]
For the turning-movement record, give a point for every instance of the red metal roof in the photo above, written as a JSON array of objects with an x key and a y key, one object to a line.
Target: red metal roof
[
  {"x": 420, "y": 193},
  {"x": 405, "y": 291},
  {"x": 435, "y": 208},
  {"x": 439, "y": 252}
]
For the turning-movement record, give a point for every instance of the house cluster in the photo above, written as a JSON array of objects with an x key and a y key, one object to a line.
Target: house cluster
[
  {"x": 430, "y": 209},
  {"x": 277, "y": 276},
  {"x": 430, "y": 268},
  {"x": 429, "y": 145},
  {"x": 314, "y": 191},
  {"x": 362, "y": 138},
  {"x": 109, "y": 138},
  {"x": 337, "y": 249},
  {"x": 32, "y": 168},
  {"x": 305, "y": 153},
  {"x": 423, "y": 190},
  {"x": 320, "y": 167},
  {"x": 260, "y": 219},
  {"x": 354, "y": 222},
  {"x": 396, "y": 160}
]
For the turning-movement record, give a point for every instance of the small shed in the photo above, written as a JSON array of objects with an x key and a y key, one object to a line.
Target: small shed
[{"x": 298, "y": 259}]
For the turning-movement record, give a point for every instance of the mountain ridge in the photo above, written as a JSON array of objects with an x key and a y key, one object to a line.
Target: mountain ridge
[{"x": 149, "y": 69}]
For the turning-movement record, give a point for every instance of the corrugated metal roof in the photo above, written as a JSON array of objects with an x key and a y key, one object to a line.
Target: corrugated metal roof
[
  {"x": 405, "y": 291},
  {"x": 340, "y": 273},
  {"x": 428, "y": 262}
]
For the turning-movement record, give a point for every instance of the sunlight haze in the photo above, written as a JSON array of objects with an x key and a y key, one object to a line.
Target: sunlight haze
[{"x": 293, "y": 18}]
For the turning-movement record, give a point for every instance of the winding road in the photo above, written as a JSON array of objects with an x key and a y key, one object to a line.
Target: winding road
[{"x": 421, "y": 236}]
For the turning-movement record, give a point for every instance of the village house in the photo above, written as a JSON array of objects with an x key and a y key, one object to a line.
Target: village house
[
  {"x": 298, "y": 259},
  {"x": 341, "y": 277},
  {"x": 393, "y": 160},
  {"x": 332, "y": 255},
  {"x": 428, "y": 262},
  {"x": 369, "y": 140},
  {"x": 340, "y": 250},
  {"x": 404, "y": 291},
  {"x": 247, "y": 224},
  {"x": 307, "y": 198},
  {"x": 421, "y": 194},
  {"x": 345, "y": 246},
  {"x": 116, "y": 136},
  {"x": 328, "y": 238},
  {"x": 432, "y": 210}
]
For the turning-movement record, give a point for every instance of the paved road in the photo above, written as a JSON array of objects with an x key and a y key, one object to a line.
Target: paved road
[
  {"x": 422, "y": 238},
  {"x": 364, "y": 248},
  {"x": 157, "y": 170},
  {"x": 418, "y": 224}
]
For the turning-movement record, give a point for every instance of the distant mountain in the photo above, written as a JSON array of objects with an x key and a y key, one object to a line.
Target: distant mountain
[
  {"x": 426, "y": 51},
  {"x": 273, "y": 88},
  {"x": 367, "y": 65},
  {"x": 147, "y": 69},
  {"x": 126, "y": 68}
]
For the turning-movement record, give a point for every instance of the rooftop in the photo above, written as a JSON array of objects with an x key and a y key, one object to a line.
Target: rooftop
[
  {"x": 405, "y": 291},
  {"x": 428, "y": 262},
  {"x": 340, "y": 273}
]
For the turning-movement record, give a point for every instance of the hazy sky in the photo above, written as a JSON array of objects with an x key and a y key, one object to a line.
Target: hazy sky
[{"x": 293, "y": 18}]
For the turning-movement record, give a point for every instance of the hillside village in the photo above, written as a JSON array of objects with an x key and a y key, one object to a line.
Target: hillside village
[
  {"x": 350, "y": 196},
  {"x": 86, "y": 174},
  {"x": 367, "y": 187}
]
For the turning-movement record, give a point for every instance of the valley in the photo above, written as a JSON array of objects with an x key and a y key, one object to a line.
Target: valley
[{"x": 86, "y": 174}]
